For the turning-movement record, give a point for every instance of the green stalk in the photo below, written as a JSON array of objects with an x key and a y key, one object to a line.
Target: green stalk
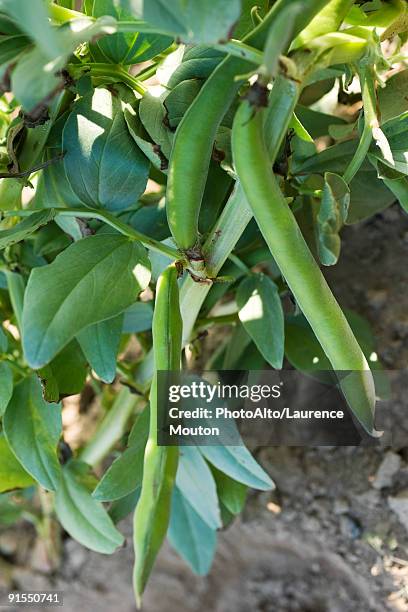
[
  {"x": 222, "y": 240},
  {"x": 117, "y": 73},
  {"x": 242, "y": 50},
  {"x": 106, "y": 217},
  {"x": 367, "y": 81}
]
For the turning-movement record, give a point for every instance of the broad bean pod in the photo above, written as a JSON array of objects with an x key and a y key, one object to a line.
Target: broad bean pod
[
  {"x": 297, "y": 264},
  {"x": 194, "y": 139},
  {"x": 160, "y": 462}
]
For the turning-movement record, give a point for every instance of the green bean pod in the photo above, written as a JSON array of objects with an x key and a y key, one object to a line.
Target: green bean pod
[
  {"x": 160, "y": 462},
  {"x": 194, "y": 139},
  {"x": 297, "y": 264}
]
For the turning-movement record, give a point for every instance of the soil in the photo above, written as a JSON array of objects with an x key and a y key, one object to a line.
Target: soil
[{"x": 332, "y": 537}]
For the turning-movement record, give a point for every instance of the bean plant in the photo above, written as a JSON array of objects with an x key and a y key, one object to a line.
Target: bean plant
[{"x": 168, "y": 169}]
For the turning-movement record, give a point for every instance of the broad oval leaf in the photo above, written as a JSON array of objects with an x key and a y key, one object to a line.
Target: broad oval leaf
[
  {"x": 238, "y": 463},
  {"x": 100, "y": 345},
  {"x": 232, "y": 494},
  {"x": 65, "y": 375},
  {"x": 196, "y": 483},
  {"x": 92, "y": 280},
  {"x": 331, "y": 217},
  {"x": 138, "y": 318},
  {"x": 83, "y": 517},
  {"x": 191, "y": 537},
  {"x": 105, "y": 167},
  {"x": 33, "y": 428},
  {"x": 12, "y": 473},
  {"x": 261, "y": 313},
  {"x": 129, "y": 48}
]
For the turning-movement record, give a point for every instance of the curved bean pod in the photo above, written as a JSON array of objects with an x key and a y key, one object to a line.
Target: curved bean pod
[
  {"x": 160, "y": 462},
  {"x": 304, "y": 277},
  {"x": 196, "y": 133}
]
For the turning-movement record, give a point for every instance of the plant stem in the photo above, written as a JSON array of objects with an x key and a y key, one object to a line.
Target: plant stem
[
  {"x": 222, "y": 240},
  {"x": 240, "y": 264},
  {"x": 111, "y": 429},
  {"x": 241, "y": 50},
  {"x": 108, "y": 71},
  {"x": 148, "y": 72},
  {"x": 137, "y": 25},
  {"x": 229, "y": 319},
  {"x": 370, "y": 122},
  {"x": 106, "y": 217},
  {"x": 49, "y": 529}
]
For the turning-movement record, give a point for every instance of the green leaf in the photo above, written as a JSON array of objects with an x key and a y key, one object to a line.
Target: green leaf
[
  {"x": 32, "y": 18},
  {"x": 238, "y": 463},
  {"x": 12, "y": 473},
  {"x": 121, "y": 508},
  {"x": 395, "y": 153},
  {"x": 82, "y": 516},
  {"x": 369, "y": 196},
  {"x": 6, "y": 385},
  {"x": 66, "y": 373},
  {"x": 153, "y": 116},
  {"x": 50, "y": 240},
  {"x": 179, "y": 99},
  {"x": 10, "y": 49},
  {"x": 142, "y": 139},
  {"x": 33, "y": 428},
  {"x": 232, "y": 494},
  {"x": 199, "y": 61},
  {"x": 392, "y": 99},
  {"x": 10, "y": 513},
  {"x": 130, "y": 48},
  {"x": 94, "y": 279},
  {"x": 138, "y": 318},
  {"x": 37, "y": 75},
  {"x": 191, "y": 537},
  {"x": 316, "y": 123},
  {"x": 261, "y": 313},
  {"x": 16, "y": 289},
  {"x": 196, "y": 483},
  {"x": 208, "y": 21},
  {"x": 100, "y": 344},
  {"x": 396, "y": 182},
  {"x": 103, "y": 163},
  {"x": 125, "y": 473},
  {"x": 331, "y": 217},
  {"x": 54, "y": 189}
]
